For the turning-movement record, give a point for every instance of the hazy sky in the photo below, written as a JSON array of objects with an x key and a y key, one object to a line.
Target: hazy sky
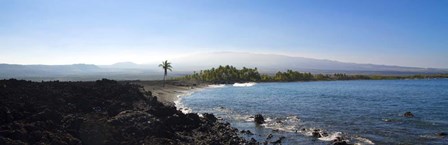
[{"x": 396, "y": 32}]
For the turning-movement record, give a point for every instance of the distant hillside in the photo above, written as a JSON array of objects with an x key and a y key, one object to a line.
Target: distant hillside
[
  {"x": 270, "y": 63},
  {"x": 129, "y": 65},
  {"x": 266, "y": 63}
]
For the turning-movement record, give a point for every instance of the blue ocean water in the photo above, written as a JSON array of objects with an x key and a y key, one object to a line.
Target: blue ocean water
[{"x": 362, "y": 112}]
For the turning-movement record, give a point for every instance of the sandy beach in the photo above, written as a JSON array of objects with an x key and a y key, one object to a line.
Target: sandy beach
[{"x": 168, "y": 94}]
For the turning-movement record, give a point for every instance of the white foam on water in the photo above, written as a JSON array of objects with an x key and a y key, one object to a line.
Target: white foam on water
[
  {"x": 307, "y": 131},
  {"x": 363, "y": 141},
  {"x": 331, "y": 137},
  {"x": 288, "y": 124},
  {"x": 180, "y": 106},
  {"x": 249, "y": 84},
  {"x": 268, "y": 119},
  {"x": 217, "y": 86},
  {"x": 178, "y": 102},
  {"x": 246, "y": 118},
  {"x": 230, "y": 114},
  {"x": 250, "y": 119}
]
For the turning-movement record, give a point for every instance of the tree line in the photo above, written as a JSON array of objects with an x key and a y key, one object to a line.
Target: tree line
[
  {"x": 225, "y": 74},
  {"x": 230, "y": 74}
]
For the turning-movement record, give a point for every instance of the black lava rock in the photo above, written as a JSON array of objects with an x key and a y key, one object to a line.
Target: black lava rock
[
  {"x": 408, "y": 114},
  {"x": 269, "y": 137},
  {"x": 259, "y": 119},
  {"x": 209, "y": 117},
  {"x": 100, "y": 112},
  {"x": 316, "y": 133}
]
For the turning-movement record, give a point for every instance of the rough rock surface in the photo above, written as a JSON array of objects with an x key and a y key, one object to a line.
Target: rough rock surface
[
  {"x": 97, "y": 113},
  {"x": 259, "y": 119}
]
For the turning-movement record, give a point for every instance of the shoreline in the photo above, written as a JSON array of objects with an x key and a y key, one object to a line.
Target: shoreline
[
  {"x": 173, "y": 90},
  {"x": 317, "y": 131}
]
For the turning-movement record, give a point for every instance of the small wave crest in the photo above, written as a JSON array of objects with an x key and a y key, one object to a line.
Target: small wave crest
[
  {"x": 178, "y": 102},
  {"x": 363, "y": 141},
  {"x": 288, "y": 124},
  {"x": 217, "y": 86},
  {"x": 249, "y": 84},
  {"x": 227, "y": 113},
  {"x": 181, "y": 107},
  {"x": 330, "y": 136}
]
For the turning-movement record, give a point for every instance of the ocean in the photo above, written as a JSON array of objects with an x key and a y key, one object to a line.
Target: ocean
[{"x": 360, "y": 112}]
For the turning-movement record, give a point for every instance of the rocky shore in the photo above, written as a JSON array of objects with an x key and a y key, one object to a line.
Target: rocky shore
[{"x": 101, "y": 112}]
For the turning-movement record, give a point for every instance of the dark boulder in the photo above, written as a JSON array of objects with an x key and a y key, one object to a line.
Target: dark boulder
[
  {"x": 253, "y": 141},
  {"x": 316, "y": 133},
  {"x": 162, "y": 111},
  {"x": 246, "y": 132},
  {"x": 193, "y": 119},
  {"x": 269, "y": 137},
  {"x": 442, "y": 134},
  {"x": 259, "y": 119},
  {"x": 209, "y": 117},
  {"x": 339, "y": 143},
  {"x": 408, "y": 114}
]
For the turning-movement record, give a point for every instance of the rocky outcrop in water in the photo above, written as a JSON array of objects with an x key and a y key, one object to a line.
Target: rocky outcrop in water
[
  {"x": 408, "y": 114},
  {"x": 259, "y": 119},
  {"x": 269, "y": 137},
  {"x": 246, "y": 132},
  {"x": 97, "y": 113},
  {"x": 340, "y": 143},
  {"x": 316, "y": 133},
  {"x": 441, "y": 134}
]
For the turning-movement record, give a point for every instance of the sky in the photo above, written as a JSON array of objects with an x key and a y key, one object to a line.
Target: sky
[{"x": 398, "y": 32}]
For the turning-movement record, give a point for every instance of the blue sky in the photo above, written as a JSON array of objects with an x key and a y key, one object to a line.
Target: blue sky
[{"x": 398, "y": 32}]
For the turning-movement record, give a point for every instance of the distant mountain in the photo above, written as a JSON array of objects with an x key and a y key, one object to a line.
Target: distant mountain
[
  {"x": 270, "y": 63},
  {"x": 266, "y": 63},
  {"x": 126, "y": 65}
]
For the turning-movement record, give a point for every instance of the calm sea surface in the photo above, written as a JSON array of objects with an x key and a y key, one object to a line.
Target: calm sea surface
[{"x": 362, "y": 112}]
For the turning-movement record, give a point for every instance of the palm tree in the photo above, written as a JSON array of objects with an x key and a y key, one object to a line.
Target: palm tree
[{"x": 166, "y": 66}]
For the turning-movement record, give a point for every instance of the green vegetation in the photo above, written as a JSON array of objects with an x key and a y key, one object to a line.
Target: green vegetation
[
  {"x": 229, "y": 74},
  {"x": 166, "y": 66},
  {"x": 225, "y": 74}
]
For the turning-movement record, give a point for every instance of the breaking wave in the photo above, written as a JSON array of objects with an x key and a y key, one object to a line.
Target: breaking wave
[
  {"x": 217, "y": 86},
  {"x": 249, "y": 84}
]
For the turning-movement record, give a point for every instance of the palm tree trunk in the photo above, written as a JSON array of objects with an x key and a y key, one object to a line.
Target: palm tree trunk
[{"x": 164, "y": 78}]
